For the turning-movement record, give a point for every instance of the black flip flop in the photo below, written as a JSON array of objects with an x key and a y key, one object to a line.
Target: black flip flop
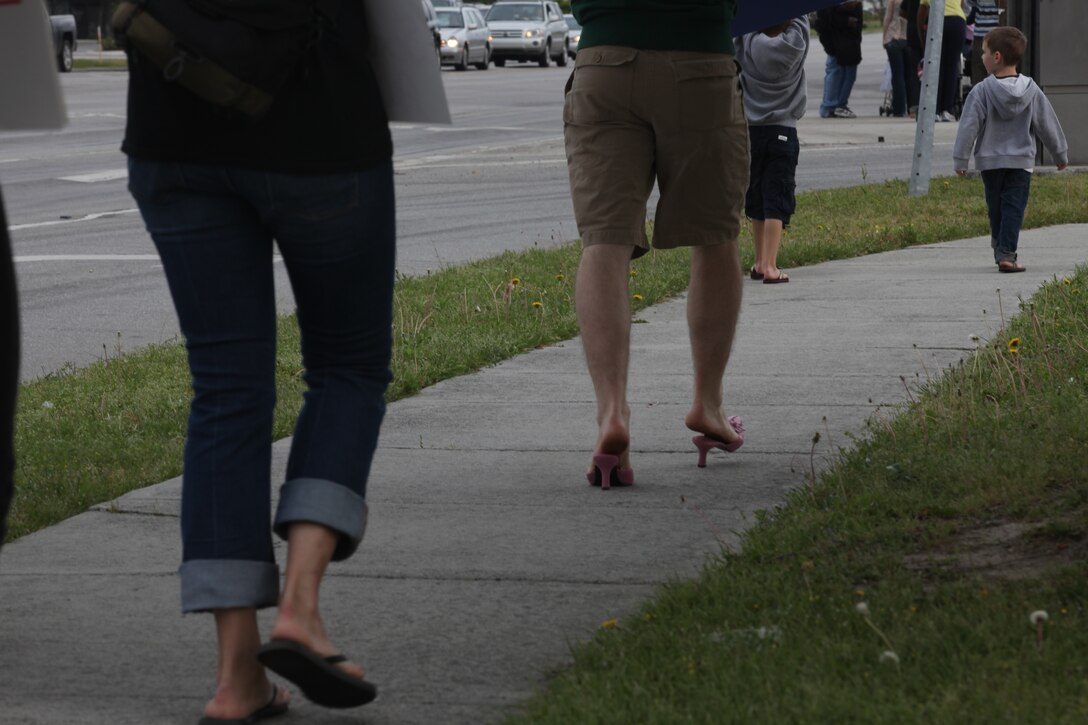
[
  {"x": 320, "y": 680},
  {"x": 782, "y": 278},
  {"x": 272, "y": 709},
  {"x": 755, "y": 275}
]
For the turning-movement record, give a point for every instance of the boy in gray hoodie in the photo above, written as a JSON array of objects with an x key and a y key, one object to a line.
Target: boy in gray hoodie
[
  {"x": 772, "y": 73},
  {"x": 1000, "y": 120}
]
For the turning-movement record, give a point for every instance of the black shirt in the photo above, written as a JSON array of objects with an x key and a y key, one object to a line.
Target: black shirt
[{"x": 329, "y": 119}]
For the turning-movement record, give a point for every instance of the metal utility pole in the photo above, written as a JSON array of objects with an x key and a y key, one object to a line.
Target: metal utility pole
[{"x": 927, "y": 102}]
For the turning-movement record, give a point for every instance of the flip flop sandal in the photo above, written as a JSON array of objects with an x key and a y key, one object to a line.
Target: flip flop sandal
[
  {"x": 782, "y": 278},
  {"x": 320, "y": 680},
  {"x": 755, "y": 275}
]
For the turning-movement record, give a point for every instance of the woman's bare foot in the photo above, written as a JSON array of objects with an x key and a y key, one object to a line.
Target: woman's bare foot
[
  {"x": 236, "y": 700},
  {"x": 309, "y": 631},
  {"x": 710, "y": 422},
  {"x": 614, "y": 438}
]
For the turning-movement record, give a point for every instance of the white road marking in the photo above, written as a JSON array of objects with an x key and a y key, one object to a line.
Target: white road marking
[
  {"x": 109, "y": 175},
  {"x": 89, "y": 217}
]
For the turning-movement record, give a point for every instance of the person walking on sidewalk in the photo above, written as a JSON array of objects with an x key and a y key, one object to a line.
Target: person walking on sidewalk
[
  {"x": 772, "y": 65},
  {"x": 984, "y": 15},
  {"x": 1000, "y": 120},
  {"x": 899, "y": 57},
  {"x": 9, "y": 372},
  {"x": 839, "y": 30},
  {"x": 216, "y": 191},
  {"x": 955, "y": 33},
  {"x": 685, "y": 126}
]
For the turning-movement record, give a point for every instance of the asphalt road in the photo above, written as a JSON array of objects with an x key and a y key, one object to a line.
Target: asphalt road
[{"x": 90, "y": 282}]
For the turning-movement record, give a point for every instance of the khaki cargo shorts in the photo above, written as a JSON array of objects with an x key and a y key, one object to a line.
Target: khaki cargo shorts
[{"x": 633, "y": 116}]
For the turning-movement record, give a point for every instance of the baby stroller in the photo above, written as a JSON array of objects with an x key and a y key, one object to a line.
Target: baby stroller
[{"x": 886, "y": 89}]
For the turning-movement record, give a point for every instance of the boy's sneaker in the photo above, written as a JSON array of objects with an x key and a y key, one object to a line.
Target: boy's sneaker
[{"x": 844, "y": 112}]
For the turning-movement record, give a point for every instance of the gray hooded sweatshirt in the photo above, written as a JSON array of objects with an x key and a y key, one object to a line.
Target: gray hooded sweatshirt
[
  {"x": 1000, "y": 120},
  {"x": 772, "y": 73}
]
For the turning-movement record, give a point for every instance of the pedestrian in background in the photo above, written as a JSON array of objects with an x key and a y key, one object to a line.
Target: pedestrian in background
[
  {"x": 1003, "y": 115},
  {"x": 951, "y": 64},
  {"x": 839, "y": 29},
  {"x": 9, "y": 371},
  {"x": 984, "y": 15},
  {"x": 772, "y": 65},
  {"x": 685, "y": 126},
  {"x": 217, "y": 192},
  {"x": 899, "y": 56},
  {"x": 915, "y": 44}
]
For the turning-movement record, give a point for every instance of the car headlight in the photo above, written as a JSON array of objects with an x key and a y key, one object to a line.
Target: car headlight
[
  {"x": 577, "y": 39},
  {"x": 451, "y": 42},
  {"x": 533, "y": 33}
]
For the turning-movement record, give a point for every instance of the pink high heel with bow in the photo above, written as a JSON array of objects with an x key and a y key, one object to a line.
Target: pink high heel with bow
[{"x": 706, "y": 443}]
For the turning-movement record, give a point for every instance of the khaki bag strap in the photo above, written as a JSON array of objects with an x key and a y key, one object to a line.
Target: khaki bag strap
[{"x": 200, "y": 75}]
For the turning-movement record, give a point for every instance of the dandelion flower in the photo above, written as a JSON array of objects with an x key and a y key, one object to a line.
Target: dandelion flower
[
  {"x": 889, "y": 656},
  {"x": 1038, "y": 616},
  {"x": 560, "y": 277},
  {"x": 1014, "y": 345},
  {"x": 636, "y": 297},
  {"x": 516, "y": 280},
  {"x": 649, "y": 617},
  {"x": 1067, "y": 281},
  {"x": 538, "y": 304},
  {"x": 634, "y": 272},
  {"x": 1064, "y": 610},
  {"x": 863, "y": 608},
  {"x": 859, "y": 592},
  {"x": 47, "y": 404},
  {"x": 609, "y": 623}
]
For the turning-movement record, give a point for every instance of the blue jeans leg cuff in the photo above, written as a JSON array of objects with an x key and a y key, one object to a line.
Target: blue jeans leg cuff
[
  {"x": 327, "y": 503},
  {"x": 208, "y": 584}
]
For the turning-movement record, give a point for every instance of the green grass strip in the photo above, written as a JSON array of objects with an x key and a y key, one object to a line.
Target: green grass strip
[
  {"x": 901, "y": 586},
  {"x": 90, "y": 435}
]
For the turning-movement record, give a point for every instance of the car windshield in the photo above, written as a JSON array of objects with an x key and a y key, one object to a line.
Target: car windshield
[
  {"x": 572, "y": 24},
  {"x": 515, "y": 11},
  {"x": 450, "y": 19}
]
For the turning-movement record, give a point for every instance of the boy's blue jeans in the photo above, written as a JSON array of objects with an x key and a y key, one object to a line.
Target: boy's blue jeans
[
  {"x": 1006, "y": 199},
  {"x": 214, "y": 229}
]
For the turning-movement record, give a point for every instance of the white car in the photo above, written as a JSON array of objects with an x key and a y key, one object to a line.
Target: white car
[
  {"x": 466, "y": 39},
  {"x": 574, "y": 35},
  {"x": 528, "y": 30}
]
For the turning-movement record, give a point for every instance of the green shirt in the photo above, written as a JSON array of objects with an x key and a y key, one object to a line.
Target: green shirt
[{"x": 704, "y": 26}]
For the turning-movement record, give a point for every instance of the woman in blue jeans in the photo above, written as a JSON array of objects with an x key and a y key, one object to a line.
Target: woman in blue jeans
[
  {"x": 899, "y": 58},
  {"x": 313, "y": 179}
]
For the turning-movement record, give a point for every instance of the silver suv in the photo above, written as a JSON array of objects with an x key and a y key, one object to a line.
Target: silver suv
[{"x": 528, "y": 30}]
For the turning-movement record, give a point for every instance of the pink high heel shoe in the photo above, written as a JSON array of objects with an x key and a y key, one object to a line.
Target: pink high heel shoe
[
  {"x": 705, "y": 443},
  {"x": 607, "y": 472}
]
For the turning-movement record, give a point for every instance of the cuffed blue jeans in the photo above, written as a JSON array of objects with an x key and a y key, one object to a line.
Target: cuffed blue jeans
[
  {"x": 1007, "y": 192},
  {"x": 838, "y": 85},
  {"x": 214, "y": 228}
]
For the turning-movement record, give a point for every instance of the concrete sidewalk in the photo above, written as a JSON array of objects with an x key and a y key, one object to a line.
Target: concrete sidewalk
[{"x": 487, "y": 553}]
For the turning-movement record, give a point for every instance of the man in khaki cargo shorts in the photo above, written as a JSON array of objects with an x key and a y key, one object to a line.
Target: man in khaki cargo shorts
[{"x": 655, "y": 94}]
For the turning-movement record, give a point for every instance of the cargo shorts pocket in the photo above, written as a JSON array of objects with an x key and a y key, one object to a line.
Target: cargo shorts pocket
[
  {"x": 599, "y": 89},
  {"x": 709, "y": 95}
]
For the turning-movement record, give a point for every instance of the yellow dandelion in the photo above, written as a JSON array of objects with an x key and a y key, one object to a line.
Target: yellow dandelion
[
  {"x": 820, "y": 227},
  {"x": 859, "y": 592},
  {"x": 649, "y": 617},
  {"x": 946, "y": 183},
  {"x": 1067, "y": 281},
  {"x": 1075, "y": 291},
  {"x": 1014, "y": 345},
  {"x": 609, "y": 623},
  {"x": 634, "y": 272},
  {"x": 537, "y": 303},
  {"x": 560, "y": 277},
  {"x": 516, "y": 280},
  {"x": 1064, "y": 610},
  {"x": 636, "y": 297}
]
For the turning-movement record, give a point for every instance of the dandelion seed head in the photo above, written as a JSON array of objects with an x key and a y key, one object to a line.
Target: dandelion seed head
[
  {"x": 1039, "y": 616},
  {"x": 862, "y": 608},
  {"x": 48, "y": 404},
  {"x": 889, "y": 656}
]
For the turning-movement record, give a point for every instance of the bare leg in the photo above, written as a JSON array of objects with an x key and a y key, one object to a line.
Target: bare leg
[
  {"x": 767, "y": 247},
  {"x": 242, "y": 684},
  {"x": 604, "y": 315},
  {"x": 757, "y": 242},
  {"x": 713, "y": 307},
  {"x": 309, "y": 550}
]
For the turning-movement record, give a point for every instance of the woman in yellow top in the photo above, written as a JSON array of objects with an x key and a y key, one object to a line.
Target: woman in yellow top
[{"x": 955, "y": 34}]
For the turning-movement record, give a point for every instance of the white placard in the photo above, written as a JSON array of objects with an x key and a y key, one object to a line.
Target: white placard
[
  {"x": 30, "y": 96},
  {"x": 402, "y": 53}
]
